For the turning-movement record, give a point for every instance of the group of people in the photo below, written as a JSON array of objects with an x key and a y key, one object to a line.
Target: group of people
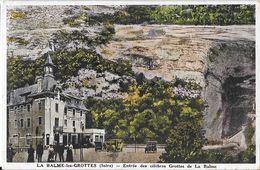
[
  {"x": 58, "y": 149},
  {"x": 53, "y": 151}
]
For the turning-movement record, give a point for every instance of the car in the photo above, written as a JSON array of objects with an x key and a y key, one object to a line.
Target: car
[
  {"x": 98, "y": 146},
  {"x": 88, "y": 145},
  {"x": 114, "y": 145},
  {"x": 151, "y": 146}
]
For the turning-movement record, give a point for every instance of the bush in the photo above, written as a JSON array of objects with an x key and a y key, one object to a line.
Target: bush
[
  {"x": 17, "y": 14},
  {"x": 249, "y": 132}
]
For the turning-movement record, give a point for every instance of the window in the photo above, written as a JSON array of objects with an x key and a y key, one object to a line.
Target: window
[
  {"x": 15, "y": 136},
  {"x": 10, "y": 108},
  {"x": 73, "y": 123},
  {"x": 47, "y": 69},
  {"x": 65, "y": 111},
  {"x": 40, "y": 120},
  {"x": 57, "y": 107},
  {"x": 28, "y": 122},
  {"x": 28, "y": 139},
  {"x": 81, "y": 113},
  {"x": 56, "y": 122},
  {"x": 28, "y": 108},
  {"x": 47, "y": 139},
  {"x": 96, "y": 138},
  {"x": 21, "y": 108},
  {"x": 15, "y": 123},
  {"x": 65, "y": 122},
  {"x": 21, "y": 123},
  {"x": 74, "y": 111},
  {"x": 40, "y": 105}
]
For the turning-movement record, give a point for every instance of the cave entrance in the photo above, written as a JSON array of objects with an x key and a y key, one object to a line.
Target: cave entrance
[{"x": 238, "y": 96}]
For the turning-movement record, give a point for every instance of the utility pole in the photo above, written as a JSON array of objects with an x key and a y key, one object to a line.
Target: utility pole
[
  {"x": 135, "y": 143},
  {"x": 81, "y": 142},
  {"x": 81, "y": 148},
  {"x": 18, "y": 141}
]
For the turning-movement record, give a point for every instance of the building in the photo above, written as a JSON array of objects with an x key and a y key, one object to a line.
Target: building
[{"x": 43, "y": 112}]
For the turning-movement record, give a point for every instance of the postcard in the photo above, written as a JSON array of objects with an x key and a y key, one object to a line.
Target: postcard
[{"x": 119, "y": 85}]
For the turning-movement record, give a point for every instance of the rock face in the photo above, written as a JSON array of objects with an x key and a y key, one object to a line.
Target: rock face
[
  {"x": 32, "y": 27},
  {"x": 89, "y": 83},
  {"x": 220, "y": 58},
  {"x": 230, "y": 89}
]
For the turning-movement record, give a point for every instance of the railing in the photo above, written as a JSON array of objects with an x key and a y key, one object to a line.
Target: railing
[
  {"x": 161, "y": 146},
  {"x": 235, "y": 133}
]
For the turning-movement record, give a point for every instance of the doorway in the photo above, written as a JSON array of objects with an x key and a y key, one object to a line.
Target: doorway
[
  {"x": 57, "y": 138},
  {"x": 65, "y": 138},
  {"x": 74, "y": 140}
]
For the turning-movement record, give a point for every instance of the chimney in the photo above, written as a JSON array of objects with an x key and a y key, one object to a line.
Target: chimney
[
  {"x": 38, "y": 80},
  {"x": 11, "y": 97}
]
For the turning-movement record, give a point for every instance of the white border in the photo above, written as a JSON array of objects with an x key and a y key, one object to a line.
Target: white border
[
  {"x": 219, "y": 166},
  {"x": 3, "y": 49},
  {"x": 257, "y": 71},
  {"x": 3, "y": 86}
]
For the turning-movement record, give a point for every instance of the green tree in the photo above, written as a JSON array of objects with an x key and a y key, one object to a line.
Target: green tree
[
  {"x": 184, "y": 144},
  {"x": 249, "y": 132},
  {"x": 249, "y": 155}
]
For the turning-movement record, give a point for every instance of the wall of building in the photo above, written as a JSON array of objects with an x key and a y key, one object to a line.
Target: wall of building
[
  {"x": 38, "y": 129},
  {"x": 95, "y": 135},
  {"x": 28, "y": 133},
  {"x": 50, "y": 116},
  {"x": 77, "y": 118}
]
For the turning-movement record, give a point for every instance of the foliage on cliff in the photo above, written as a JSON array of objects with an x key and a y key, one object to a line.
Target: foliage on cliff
[
  {"x": 249, "y": 132},
  {"x": 20, "y": 71},
  {"x": 150, "y": 111},
  {"x": 63, "y": 40},
  {"x": 183, "y": 14},
  {"x": 68, "y": 63}
]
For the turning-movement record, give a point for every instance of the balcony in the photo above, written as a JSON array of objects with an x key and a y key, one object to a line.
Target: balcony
[{"x": 58, "y": 129}]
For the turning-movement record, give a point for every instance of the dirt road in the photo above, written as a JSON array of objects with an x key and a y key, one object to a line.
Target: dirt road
[{"x": 129, "y": 154}]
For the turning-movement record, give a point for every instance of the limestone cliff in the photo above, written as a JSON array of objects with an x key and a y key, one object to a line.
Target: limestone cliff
[{"x": 220, "y": 59}]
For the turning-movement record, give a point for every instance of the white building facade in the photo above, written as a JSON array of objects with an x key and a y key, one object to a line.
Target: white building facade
[{"x": 43, "y": 113}]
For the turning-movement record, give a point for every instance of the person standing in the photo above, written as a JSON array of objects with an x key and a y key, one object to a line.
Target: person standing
[
  {"x": 10, "y": 153},
  {"x": 61, "y": 152},
  {"x": 69, "y": 157},
  {"x": 51, "y": 154},
  {"x": 30, "y": 154},
  {"x": 39, "y": 152},
  {"x": 55, "y": 149}
]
